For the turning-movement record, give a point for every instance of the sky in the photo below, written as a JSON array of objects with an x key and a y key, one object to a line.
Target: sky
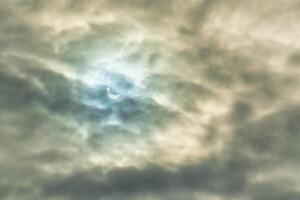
[{"x": 149, "y": 100}]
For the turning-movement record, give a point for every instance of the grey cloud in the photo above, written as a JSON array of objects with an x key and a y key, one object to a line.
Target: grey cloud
[
  {"x": 276, "y": 134},
  {"x": 161, "y": 7},
  {"x": 217, "y": 64},
  {"x": 45, "y": 155},
  {"x": 21, "y": 92},
  {"x": 241, "y": 111},
  {"x": 199, "y": 14},
  {"x": 16, "y": 92},
  {"x": 32, "y": 5},
  {"x": 225, "y": 69},
  {"x": 196, "y": 18},
  {"x": 268, "y": 191},
  {"x": 216, "y": 176},
  {"x": 294, "y": 59},
  {"x": 16, "y": 36}
]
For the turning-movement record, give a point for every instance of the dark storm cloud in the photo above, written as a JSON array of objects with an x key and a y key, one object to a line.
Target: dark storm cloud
[
  {"x": 270, "y": 144},
  {"x": 275, "y": 135},
  {"x": 22, "y": 134},
  {"x": 216, "y": 176}
]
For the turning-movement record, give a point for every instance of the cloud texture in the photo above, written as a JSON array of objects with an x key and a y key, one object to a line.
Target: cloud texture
[{"x": 149, "y": 100}]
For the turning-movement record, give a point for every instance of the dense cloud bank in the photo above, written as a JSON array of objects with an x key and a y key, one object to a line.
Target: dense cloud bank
[{"x": 145, "y": 99}]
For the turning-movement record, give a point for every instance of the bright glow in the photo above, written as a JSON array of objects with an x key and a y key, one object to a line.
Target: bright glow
[{"x": 112, "y": 95}]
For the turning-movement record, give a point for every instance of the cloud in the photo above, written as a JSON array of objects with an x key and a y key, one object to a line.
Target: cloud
[
  {"x": 273, "y": 191},
  {"x": 275, "y": 134},
  {"x": 149, "y": 100},
  {"x": 224, "y": 177}
]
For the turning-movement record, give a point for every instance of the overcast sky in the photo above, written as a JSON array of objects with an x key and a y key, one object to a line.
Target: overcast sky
[{"x": 149, "y": 100}]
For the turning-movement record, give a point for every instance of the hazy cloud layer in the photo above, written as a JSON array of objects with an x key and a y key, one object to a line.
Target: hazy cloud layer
[{"x": 145, "y": 99}]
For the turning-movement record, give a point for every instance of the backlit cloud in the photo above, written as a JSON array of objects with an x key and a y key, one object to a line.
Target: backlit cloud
[{"x": 146, "y": 99}]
